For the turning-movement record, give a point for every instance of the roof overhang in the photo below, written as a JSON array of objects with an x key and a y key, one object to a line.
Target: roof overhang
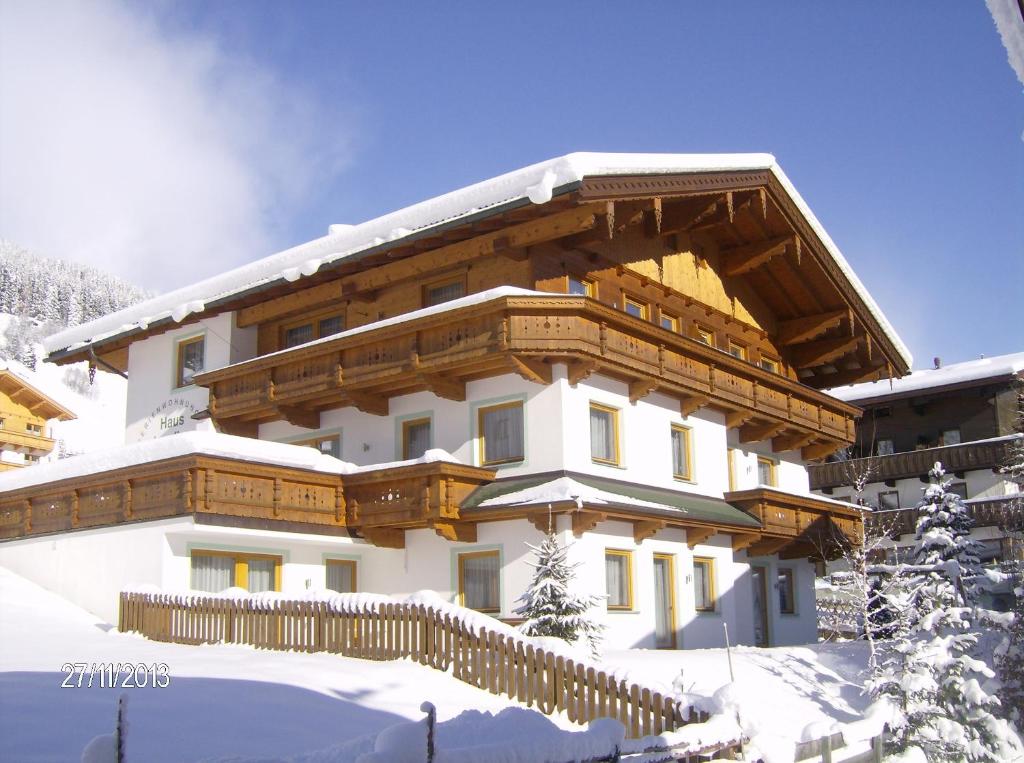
[{"x": 39, "y": 403}]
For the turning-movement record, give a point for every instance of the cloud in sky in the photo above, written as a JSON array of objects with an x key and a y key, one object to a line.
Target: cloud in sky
[{"x": 155, "y": 155}]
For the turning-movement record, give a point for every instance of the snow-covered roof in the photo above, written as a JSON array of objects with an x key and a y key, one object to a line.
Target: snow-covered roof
[
  {"x": 566, "y": 489},
  {"x": 537, "y": 183},
  {"x": 998, "y": 367}
]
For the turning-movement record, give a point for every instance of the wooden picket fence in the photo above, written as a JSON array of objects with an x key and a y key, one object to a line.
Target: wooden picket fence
[{"x": 446, "y": 638}]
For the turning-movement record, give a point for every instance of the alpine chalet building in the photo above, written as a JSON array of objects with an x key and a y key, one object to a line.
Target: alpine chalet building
[{"x": 626, "y": 348}]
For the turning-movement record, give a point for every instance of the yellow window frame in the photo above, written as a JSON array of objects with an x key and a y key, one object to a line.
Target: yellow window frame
[
  {"x": 462, "y": 577},
  {"x": 614, "y": 412},
  {"x": 709, "y": 563},
  {"x": 687, "y": 434},
  {"x": 588, "y": 285},
  {"x": 704, "y": 335},
  {"x": 179, "y": 372},
  {"x": 730, "y": 455},
  {"x": 772, "y": 474},
  {"x": 737, "y": 350},
  {"x": 313, "y": 321},
  {"x": 671, "y": 320},
  {"x": 671, "y": 559},
  {"x": 406, "y": 426},
  {"x": 480, "y": 433},
  {"x": 627, "y": 555},
  {"x": 643, "y": 307},
  {"x": 242, "y": 564},
  {"x": 351, "y": 563},
  {"x": 769, "y": 364},
  {"x": 785, "y": 578}
]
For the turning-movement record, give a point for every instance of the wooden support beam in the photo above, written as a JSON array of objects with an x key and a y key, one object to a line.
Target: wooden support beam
[
  {"x": 850, "y": 376},
  {"x": 743, "y": 259},
  {"x": 462, "y": 532},
  {"x": 378, "y": 406},
  {"x": 724, "y": 214},
  {"x": 759, "y": 432},
  {"x": 652, "y": 219},
  {"x": 641, "y": 388},
  {"x": 741, "y": 541},
  {"x": 239, "y": 428},
  {"x": 680, "y": 215},
  {"x": 697, "y": 535},
  {"x": 692, "y": 403},
  {"x": 584, "y": 521},
  {"x": 281, "y": 307},
  {"x": 804, "y": 329},
  {"x": 385, "y": 537},
  {"x": 822, "y": 351},
  {"x": 443, "y": 386},
  {"x": 532, "y": 370},
  {"x": 602, "y": 231},
  {"x": 792, "y": 441},
  {"x": 300, "y": 417},
  {"x": 767, "y": 546},
  {"x": 646, "y": 529},
  {"x": 818, "y": 451},
  {"x": 735, "y": 419},
  {"x": 544, "y": 521},
  {"x": 580, "y": 370}
]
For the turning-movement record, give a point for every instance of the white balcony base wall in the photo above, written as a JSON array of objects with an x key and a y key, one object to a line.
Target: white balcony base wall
[{"x": 90, "y": 567}]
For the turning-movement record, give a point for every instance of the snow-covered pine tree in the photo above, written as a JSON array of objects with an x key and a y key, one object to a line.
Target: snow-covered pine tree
[
  {"x": 1011, "y": 663},
  {"x": 549, "y": 606},
  {"x": 933, "y": 669}
]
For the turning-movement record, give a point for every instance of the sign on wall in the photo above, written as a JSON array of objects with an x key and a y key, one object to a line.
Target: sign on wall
[{"x": 170, "y": 417}]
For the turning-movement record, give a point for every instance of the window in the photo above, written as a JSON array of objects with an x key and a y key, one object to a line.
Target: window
[
  {"x": 960, "y": 488},
  {"x": 329, "y": 446},
  {"x": 341, "y": 575},
  {"x": 885, "y": 447},
  {"x": 704, "y": 584},
  {"x": 34, "y": 428},
  {"x": 765, "y": 471},
  {"x": 635, "y": 307},
  {"x": 950, "y": 437},
  {"x": 737, "y": 350},
  {"x": 669, "y": 322},
  {"x": 191, "y": 360},
  {"x": 604, "y": 434},
  {"x": 618, "y": 575},
  {"x": 768, "y": 364},
  {"x": 415, "y": 438},
  {"x": 682, "y": 466},
  {"x": 437, "y": 294},
  {"x": 704, "y": 335},
  {"x": 310, "y": 330},
  {"x": 889, "y": 500},
  {"x": 31, "y": 458},
  {"x": 580, "y": 286},
  {"x": 1, "y": 423},
  {"x": 787, "y": 602},
  {"x": 501, "y": 433},
  {"x": 479, "y": 586},
  {"x": 730, "y": 455},
  {"x": 215, "y": 571}
]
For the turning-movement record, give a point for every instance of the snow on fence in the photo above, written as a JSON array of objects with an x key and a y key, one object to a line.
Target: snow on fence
[
  {"x": 476, "y": 649},
  {"x": 838, "y": 618}
]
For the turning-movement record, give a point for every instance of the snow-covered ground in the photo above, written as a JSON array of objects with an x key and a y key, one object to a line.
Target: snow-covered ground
[{"x": 233, "y": 703}]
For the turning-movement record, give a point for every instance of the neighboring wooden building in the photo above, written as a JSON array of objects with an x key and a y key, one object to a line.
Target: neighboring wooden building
[
  {"x": 25, "y": 413},
  {"x": 963, "y": 415},
  {"x": 629, "y": 349}
]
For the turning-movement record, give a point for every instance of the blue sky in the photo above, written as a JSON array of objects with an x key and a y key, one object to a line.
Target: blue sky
[{"x": 900, "y": 123}]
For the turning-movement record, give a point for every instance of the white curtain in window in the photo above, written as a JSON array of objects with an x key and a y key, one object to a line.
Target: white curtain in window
[
  {"x": 298, "y": 335},
  {"x": 602, "y": 435},
  {"x": 701, "y": 586},
  {"x": 679, "y": 460},
  {"x": 339, "y": 578},
  {"x": 212, "y": 573},
  {"x": 480, "y": 581},
  {"x": 503, "y": 433},
  {"x": 446, "y": 293},
  {"x": 419, "y": 440},
  {"x": 261, "y": 575},
  {"x": 764, "y": 473},
  {"x": 617, "y": 580}
]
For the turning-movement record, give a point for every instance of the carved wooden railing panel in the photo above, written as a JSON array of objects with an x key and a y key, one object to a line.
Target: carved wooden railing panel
[
  {"x": 985, "y": 454},
  {"x": 477, "y": 341},
  {"x": 989, "y": 513}
]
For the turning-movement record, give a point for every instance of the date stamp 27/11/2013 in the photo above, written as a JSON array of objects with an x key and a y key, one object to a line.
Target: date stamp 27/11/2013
[{"x": 115, "y": 675}]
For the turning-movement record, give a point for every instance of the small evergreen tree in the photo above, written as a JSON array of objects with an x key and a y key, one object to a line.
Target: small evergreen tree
[
  {"x": 549, "y": 605},
  {"x": 932, "y": 669}
]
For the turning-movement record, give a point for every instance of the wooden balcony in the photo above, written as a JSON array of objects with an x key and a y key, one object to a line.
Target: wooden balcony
[
  {"x": 995, "y": 512},
  {"x": 14, "y": 436},
  {"x": 795, "y": 525},
  {"x": 985, "y": 454},
  {"x": 220, "y": 490},
  {"x": 524, "y": 335}
]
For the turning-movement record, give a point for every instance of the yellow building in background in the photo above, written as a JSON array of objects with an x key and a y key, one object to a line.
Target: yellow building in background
[{"x": 24, "y": 415}]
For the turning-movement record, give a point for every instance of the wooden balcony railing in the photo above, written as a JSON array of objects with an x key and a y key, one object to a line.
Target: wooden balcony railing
[
  {"x": 984, "y": 454},
  {"x": 524, "y": 334},
  {"x": 989, "y": 513},
  {"x": 263, "y": 495},
  {"x": 14, "y": 436}
]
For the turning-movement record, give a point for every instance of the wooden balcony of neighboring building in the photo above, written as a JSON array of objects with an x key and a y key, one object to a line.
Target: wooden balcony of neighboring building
[
  {"x": 380, "y": 503},
  {"x": 440, "y": 352},
  {"x": 15, "y": 436},
  {"x": 966, "y": 456},
  {"x": 797, "y": 526},
  {"x": 992, "y": 512}
]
